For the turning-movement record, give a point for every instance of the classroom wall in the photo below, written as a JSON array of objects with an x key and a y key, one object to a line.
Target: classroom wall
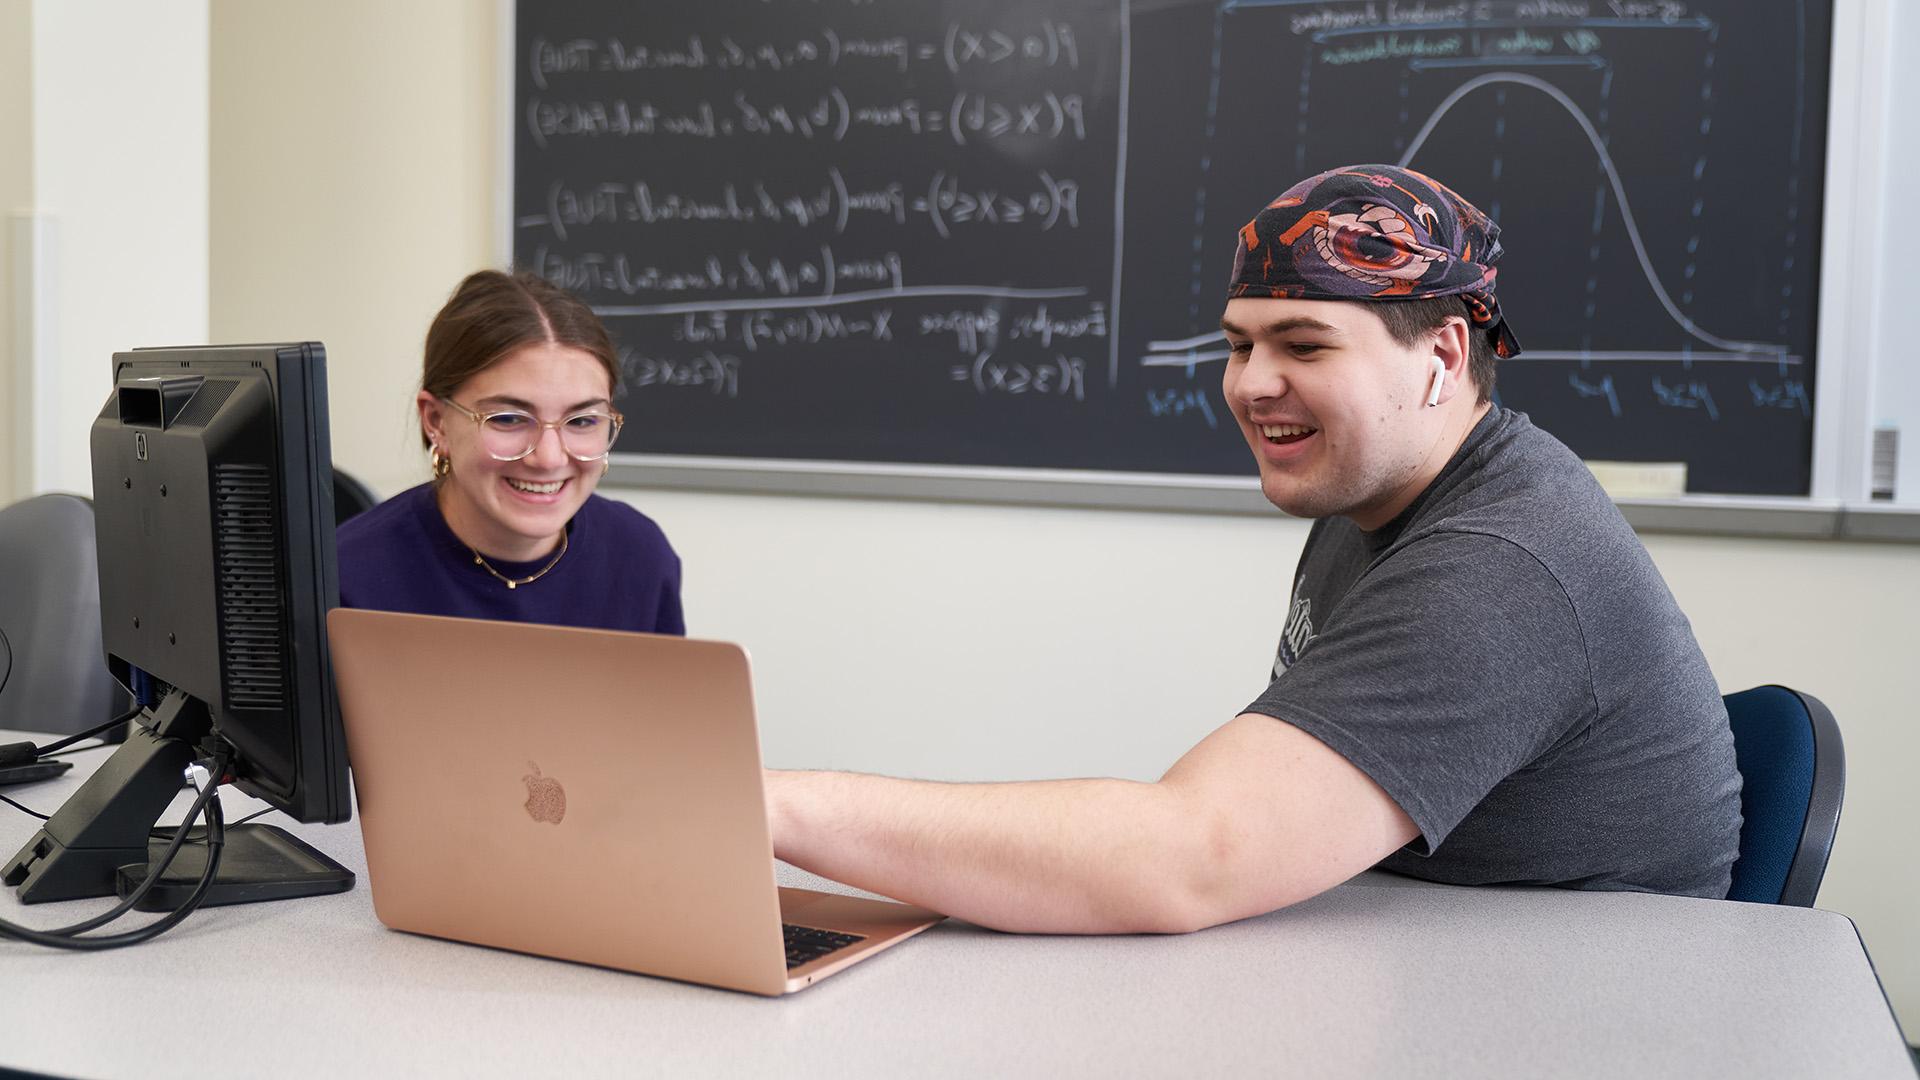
[
  {"x": 352, "y": 163},
  {"x": 1897, "y": 387},
  {"x": 938, "y": 640},
  {"x": 112, "y": 252},
  {"x": 16, "y": 193}
]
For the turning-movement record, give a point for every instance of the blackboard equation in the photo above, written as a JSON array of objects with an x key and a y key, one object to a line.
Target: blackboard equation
[
  {"x": 969, "y": 115},
  {"x": 1065, "y": 376},
  {"x": 970, "y": 331},
  {"x": 740, "y": 272},
  {"x": 945, "y": 201},
  {"x": 1052, "y": 44},
  {"x": 1005, "y": 348}
]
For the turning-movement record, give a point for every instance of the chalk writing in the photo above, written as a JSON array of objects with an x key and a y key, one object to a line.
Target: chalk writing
[
  {"x": 960, "y": 46},
  {"x": 1602, "y": 389},
  {"x": 1178, "y": 402},
  {"x": 1790, "y": 394},
  {"x": 741, "y": 272},
  {"x": 716, "y": 373},
  {"x": 972, "y": 331},
  {"x": 1685, "y": 395},
  {"x": 1065, "y": 376},
  {"x": 944, "y": 202},
  {"x": 967, "y": 116}
]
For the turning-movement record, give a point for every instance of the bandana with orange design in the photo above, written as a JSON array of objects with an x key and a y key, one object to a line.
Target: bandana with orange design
[{"x": 1374, "y": 232}]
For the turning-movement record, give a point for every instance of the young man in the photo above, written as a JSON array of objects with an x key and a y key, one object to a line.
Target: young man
[{"x": 1482, "y": 677}]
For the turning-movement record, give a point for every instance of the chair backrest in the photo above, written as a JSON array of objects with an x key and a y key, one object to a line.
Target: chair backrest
[
  {"x": 350, "y": 497},
  {"x": 1793, "y": 772},
  {"x": 53, "y": 672}
]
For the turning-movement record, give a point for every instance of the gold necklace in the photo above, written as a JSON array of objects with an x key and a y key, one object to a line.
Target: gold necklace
[{"x": 514, "y": 583}]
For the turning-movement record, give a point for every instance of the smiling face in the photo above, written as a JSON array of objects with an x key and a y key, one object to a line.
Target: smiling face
[
  {"x": 1335, "y": 410},
  {"x": 515, "y": 510}
]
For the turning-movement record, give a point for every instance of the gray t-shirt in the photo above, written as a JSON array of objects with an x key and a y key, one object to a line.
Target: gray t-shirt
[{"x": 1506, "y": 662}]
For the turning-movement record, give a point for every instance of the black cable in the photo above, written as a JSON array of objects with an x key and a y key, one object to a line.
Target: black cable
[
  {"x": 95, "y": 746},
  {"x": 166, "y": 831},
  {"x": 65, "y": 937},
  {"x": 215, "y": 841},
  {"x": 216, "y": 836},
  {"x": 55, "y": 747},
  {"x": 156, "y": 831},
  {"x": 250, "y": 817},
  {"x": 22, "y": 752},
  {"x": 23, "y": 809},
  {"x": 126, "y": 905}
]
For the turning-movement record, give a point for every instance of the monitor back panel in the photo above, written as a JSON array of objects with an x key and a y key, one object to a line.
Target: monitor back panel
[{"x": 582, "y": 794}]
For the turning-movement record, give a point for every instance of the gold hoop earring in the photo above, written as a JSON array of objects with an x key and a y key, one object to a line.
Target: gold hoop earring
[
  {"x": 604, "y": 466},
  {"x": 441, "y": 463}
]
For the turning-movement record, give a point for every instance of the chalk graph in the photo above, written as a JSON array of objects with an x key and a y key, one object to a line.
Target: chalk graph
[{"x": 1659, "y": 205}]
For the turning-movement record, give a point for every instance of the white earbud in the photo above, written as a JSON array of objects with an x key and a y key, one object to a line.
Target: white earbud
[{"x": 1439, "y": 377}]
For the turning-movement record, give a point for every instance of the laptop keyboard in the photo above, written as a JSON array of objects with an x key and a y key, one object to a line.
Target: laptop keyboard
[{"x": 804, "y": 943}]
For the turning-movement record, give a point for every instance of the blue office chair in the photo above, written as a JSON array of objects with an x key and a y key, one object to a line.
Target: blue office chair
[
  {"x": 1793, "y": 772},
  {"x": 53, "y": 670}
]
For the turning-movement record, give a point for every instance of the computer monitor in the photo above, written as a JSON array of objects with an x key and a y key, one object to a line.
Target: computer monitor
[{"x": 213, "y": 507}]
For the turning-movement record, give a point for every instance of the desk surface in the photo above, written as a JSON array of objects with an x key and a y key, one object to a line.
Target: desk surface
[{"x": 1369, "y": 979}]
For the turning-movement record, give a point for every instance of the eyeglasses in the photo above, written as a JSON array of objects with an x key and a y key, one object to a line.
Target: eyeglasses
[{"x": 510, "y": 435}]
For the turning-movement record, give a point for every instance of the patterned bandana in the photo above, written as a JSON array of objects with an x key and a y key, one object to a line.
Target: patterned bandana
[{"x": 1374, "y": 232}]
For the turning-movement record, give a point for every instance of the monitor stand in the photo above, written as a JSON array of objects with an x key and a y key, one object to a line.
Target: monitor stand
[
  {"x": 257, "y": 862},
  {"x": 101, "y": 840}
]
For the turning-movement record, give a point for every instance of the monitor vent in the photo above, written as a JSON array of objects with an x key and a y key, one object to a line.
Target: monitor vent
[
  {"x": 252, "y": 622},
  {"x": 205, "y": 403}
]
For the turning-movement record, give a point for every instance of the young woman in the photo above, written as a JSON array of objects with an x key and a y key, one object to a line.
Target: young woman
[{"x": 517, "y": 414}]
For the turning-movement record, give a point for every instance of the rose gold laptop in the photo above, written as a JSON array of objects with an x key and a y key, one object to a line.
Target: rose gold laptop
[{"x": 582, "y": 794}]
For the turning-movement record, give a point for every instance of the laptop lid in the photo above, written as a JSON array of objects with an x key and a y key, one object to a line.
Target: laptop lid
[{"x": 590, "y": 795}]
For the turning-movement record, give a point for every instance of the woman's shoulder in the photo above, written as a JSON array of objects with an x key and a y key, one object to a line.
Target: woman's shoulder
[
  {"x": 376, "y": 526},
  {"x": 623, "y": 522}
]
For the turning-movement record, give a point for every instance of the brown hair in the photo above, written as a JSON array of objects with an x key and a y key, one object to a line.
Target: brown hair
[
  {"x": 1409, "y": 320},
  {"x": 491, "y": 314}
]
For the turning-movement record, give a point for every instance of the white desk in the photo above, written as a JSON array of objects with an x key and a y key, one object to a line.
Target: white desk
[{"x": 1367, "y": 980}]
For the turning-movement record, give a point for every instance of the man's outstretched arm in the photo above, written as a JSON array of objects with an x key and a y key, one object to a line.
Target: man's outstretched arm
[{"x": 1259, "y": 815}]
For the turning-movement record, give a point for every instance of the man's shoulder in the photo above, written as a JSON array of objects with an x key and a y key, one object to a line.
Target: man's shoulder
[
  {"x": 1524, "y": 486},
  {"x": 1519, "y": 463}
]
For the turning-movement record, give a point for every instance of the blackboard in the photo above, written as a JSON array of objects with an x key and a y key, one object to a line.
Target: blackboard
[{"x": 981, "y": 233}]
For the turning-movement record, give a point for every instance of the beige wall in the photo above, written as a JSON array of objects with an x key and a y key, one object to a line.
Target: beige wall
[
  {"x": 927, "y": 639},
  {"x": 1841, "y": 622},
  {"x": 353, "y": 160},
  {"x": 16, "y": 194},
  {"x": 120, "y": 206}
]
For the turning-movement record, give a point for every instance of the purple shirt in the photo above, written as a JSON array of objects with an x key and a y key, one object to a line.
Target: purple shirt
[{"x": 619, "y": 572}]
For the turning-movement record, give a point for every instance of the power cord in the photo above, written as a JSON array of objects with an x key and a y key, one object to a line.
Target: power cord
[
  {"x": 96, "y": 746},
  {"x": 162, "y": 832},
  {"x": 157, "y": 831},
  {"x": 24, "y": 809},
  {"x": 208, "y": 802},
  {"x": 250, "y": 817},
  {"x": 21, "y": 753}
]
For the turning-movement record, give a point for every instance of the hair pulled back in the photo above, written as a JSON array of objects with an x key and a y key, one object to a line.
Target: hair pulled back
[{"x": 493, "y": 314}]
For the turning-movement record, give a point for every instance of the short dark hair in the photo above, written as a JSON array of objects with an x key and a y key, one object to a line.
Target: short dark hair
[
  {"x": 492, "y": 314},
  {"x": 1408, "y": 321}
]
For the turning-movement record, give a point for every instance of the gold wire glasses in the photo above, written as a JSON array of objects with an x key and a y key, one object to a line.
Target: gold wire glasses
[{"x": 509, "y": 434}]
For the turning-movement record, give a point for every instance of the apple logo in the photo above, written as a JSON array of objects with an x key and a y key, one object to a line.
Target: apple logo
[{"x": 546, "y": 799}]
